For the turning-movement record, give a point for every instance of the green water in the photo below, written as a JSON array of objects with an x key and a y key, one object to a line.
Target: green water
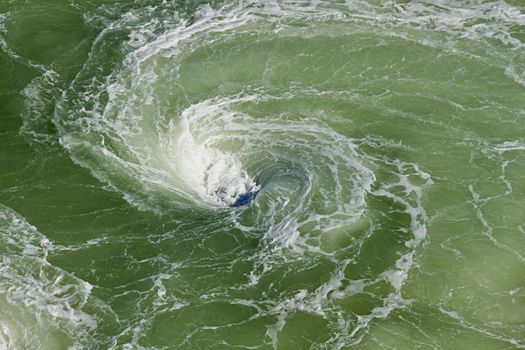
[{"x": 381, "y": 143}]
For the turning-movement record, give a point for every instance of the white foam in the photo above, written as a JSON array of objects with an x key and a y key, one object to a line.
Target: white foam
[
  {"x": 515, "y": 73},
  {"x": 4, "y": 46},
  {"x": 510, "y": 146},
  {"x": 215, "y": 175},
  {"x": 27, "y": 281},
  {"x": 480, "y": 329}
]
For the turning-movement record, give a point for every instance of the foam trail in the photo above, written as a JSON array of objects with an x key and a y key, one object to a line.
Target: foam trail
[{"x": 38, "y": 295}]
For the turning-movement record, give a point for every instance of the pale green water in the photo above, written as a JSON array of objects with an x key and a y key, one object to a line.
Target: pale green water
[{"x": 386, "y": 140}]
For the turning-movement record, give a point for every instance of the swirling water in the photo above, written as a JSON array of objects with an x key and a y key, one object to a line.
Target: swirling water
[{"x": 262, "y": 175}]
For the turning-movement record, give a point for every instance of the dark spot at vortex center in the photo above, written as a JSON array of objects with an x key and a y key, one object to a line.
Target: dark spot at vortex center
[{"x": 244, "y": 199}]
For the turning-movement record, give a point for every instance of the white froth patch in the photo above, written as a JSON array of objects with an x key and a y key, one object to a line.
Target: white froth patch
[
  {"x": 510, "y": 146},
  {"x": 216, "y": 176},
  {"x": 516, "y": 74}
]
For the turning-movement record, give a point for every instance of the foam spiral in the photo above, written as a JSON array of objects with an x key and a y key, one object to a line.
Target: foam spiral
[
  {"x": 182, "y": 123},
  {"x": 262, "y": 174}
]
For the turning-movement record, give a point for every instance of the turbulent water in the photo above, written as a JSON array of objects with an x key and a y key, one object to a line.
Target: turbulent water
[{"x": 262, "y": 175}]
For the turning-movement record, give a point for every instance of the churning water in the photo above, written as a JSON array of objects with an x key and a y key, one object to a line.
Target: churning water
[{"x": 262, "y": 175}]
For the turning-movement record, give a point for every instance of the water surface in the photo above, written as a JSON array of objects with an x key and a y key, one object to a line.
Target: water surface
[{"x": 262, "y": 175}]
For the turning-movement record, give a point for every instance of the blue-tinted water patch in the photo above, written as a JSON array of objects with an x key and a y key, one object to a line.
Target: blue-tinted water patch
[{"x": 244, "y": 198}]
